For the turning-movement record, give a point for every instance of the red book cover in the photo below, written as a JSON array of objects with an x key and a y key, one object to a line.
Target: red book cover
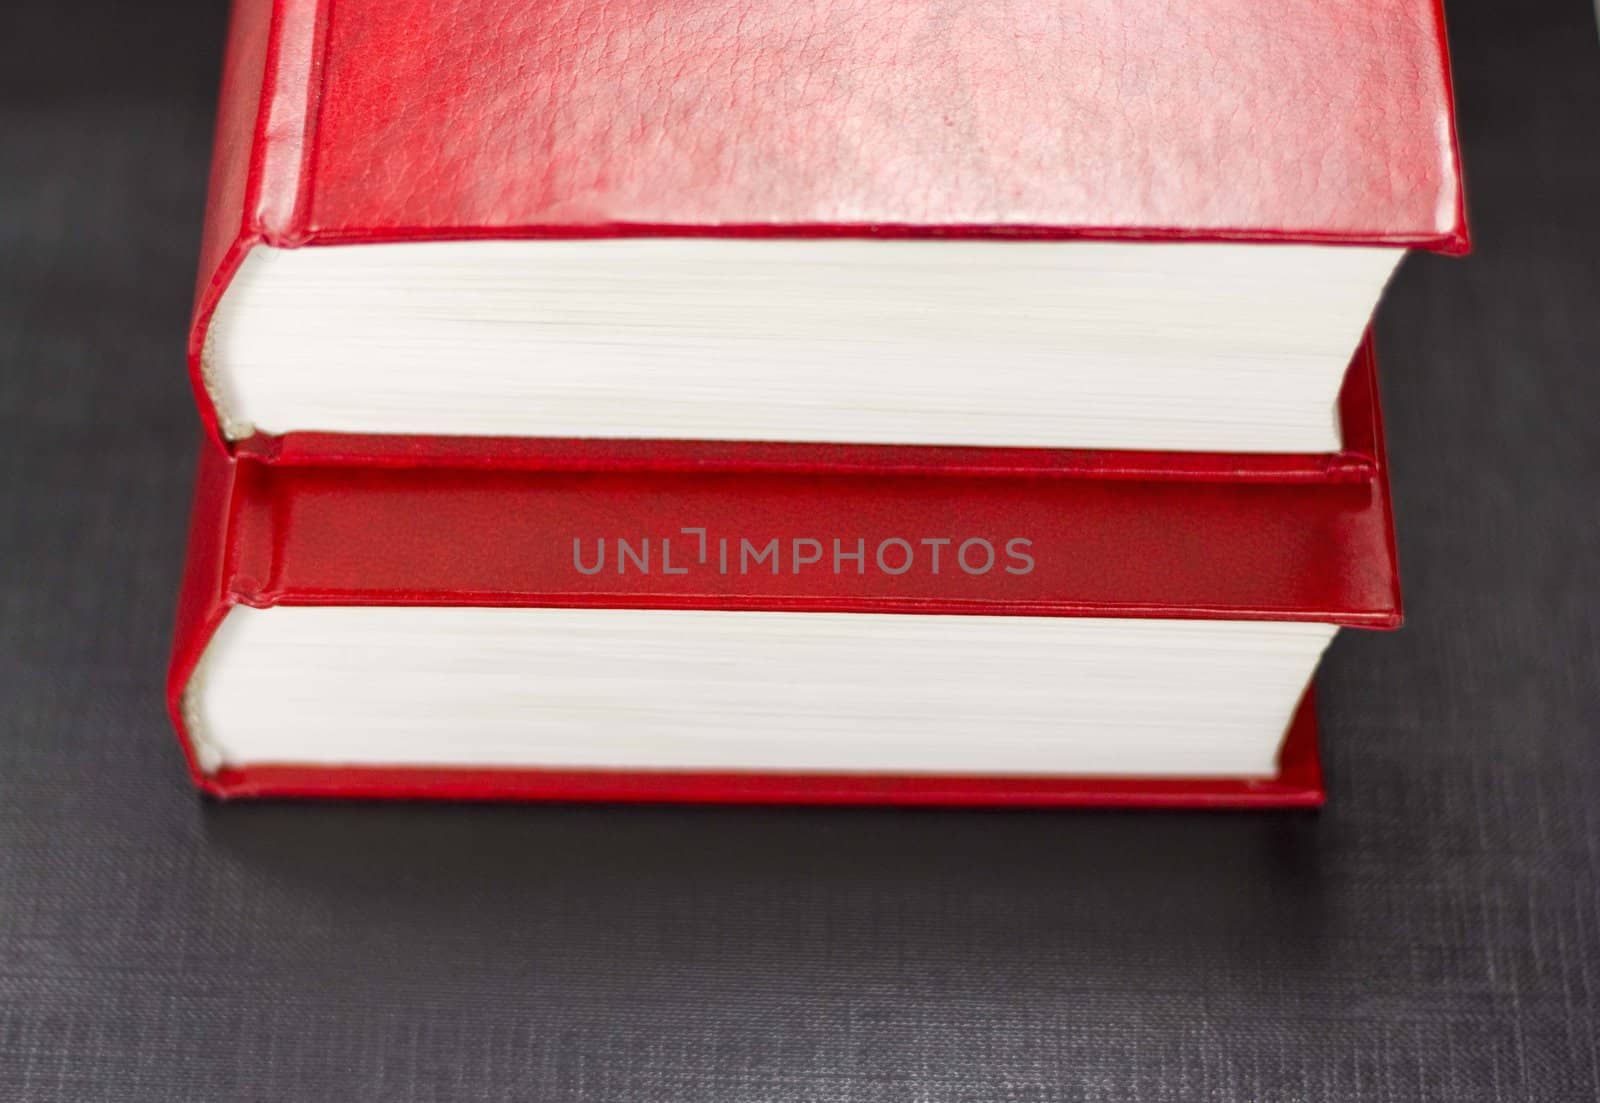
[
  {"x": 440, "y": 534},
  {"x": 1217, "y": 120}
]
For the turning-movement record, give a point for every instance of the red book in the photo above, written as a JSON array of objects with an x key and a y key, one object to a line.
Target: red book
[
  {"x": 1134, "y": 227},
  {"x": 457, "y": 631}
]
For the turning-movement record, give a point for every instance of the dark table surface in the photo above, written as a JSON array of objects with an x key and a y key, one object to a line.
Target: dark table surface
[{"x": 1434, "y": 934}]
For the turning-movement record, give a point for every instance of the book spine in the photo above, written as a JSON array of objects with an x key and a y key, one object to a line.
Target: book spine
[
  {"x": 204, "y": 598},
  {"x": 266, "y": 122},
  {"x": 785, "y": 543}
]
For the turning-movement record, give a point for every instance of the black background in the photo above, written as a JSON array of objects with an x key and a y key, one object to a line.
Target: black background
[{"x": 1434, "y": 934}]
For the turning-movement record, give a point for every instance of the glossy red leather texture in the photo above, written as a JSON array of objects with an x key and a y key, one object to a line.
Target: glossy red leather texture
[
  {"x": 1123, "y": 548},
  {"x": 428, "y": 534},
  {"x": 1222, "y": 120}
]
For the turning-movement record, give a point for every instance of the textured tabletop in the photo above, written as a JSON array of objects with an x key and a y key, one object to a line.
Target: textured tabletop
[{"x": 1434, "y": 934}]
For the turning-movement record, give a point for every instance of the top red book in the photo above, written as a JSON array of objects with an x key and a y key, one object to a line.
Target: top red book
[{"x": 375, "y": 121}]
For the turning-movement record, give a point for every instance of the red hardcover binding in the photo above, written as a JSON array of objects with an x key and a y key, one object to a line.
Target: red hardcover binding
[
  {"x": 1220, "y": 120},
  {"x": 405, "y": 534}
]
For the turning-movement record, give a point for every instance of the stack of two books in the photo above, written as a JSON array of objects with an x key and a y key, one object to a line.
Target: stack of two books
[{"x": 796, "y": 403}]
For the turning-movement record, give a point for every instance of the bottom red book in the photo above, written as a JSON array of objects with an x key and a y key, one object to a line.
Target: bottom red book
[{"x": 464, "y": 632}]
